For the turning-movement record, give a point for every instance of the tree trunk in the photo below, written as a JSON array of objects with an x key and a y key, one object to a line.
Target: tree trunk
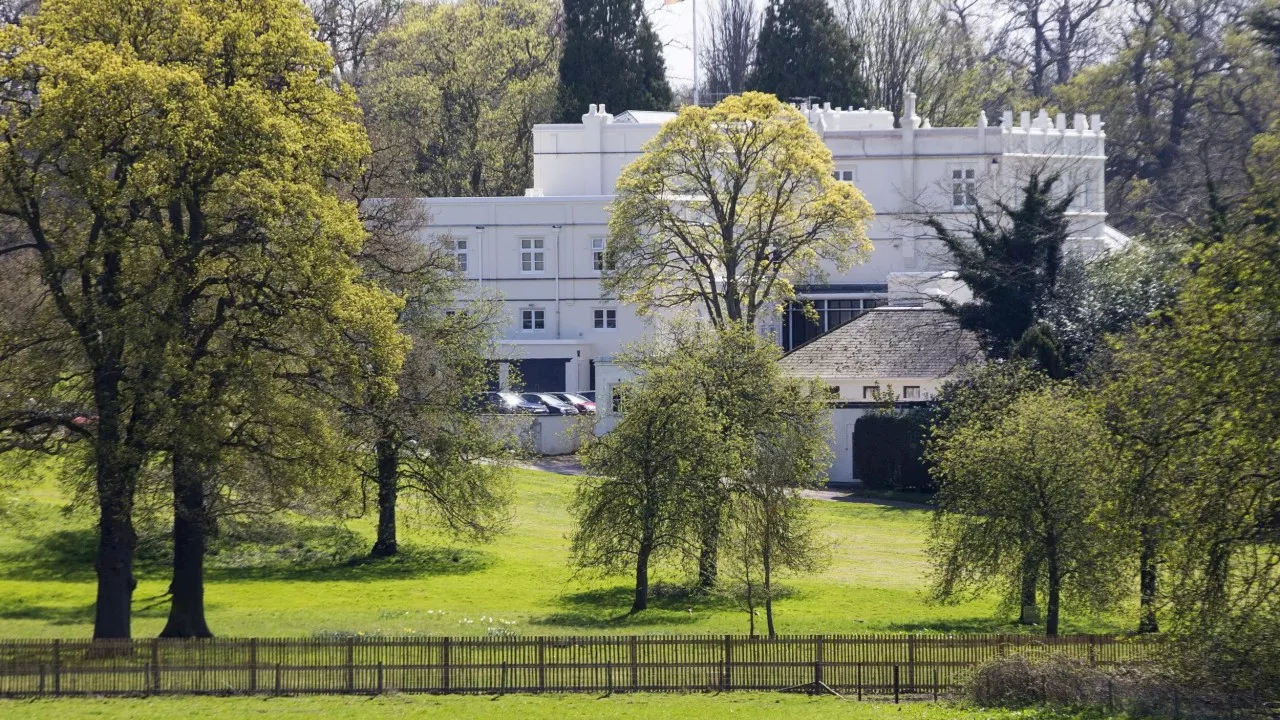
[
  {"x": 1055, "y": 589},
  {"x": 115, "y": 484},
  {"x": 641, "y": 601},
  {"x": 388, "y": 490},
  {"x": 768, "y": 591},
  {"x": 707, "y": 557},
  {"x": 1147, "y": 584},
  {"x": 191, "y": 525},
  {"x": 1029, "y": 612}
]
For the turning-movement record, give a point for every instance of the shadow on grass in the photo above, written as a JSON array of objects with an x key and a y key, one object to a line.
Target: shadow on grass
[
  {"x": 408, "y": 563},
  {"x": 609, "y": 608},
  {"x": 308, "y": 553},
  {"x": 78, "y": 614}
]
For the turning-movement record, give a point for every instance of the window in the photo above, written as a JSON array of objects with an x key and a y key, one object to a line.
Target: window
[
  {"x": 460, "y": 254},
  {"x": 963, "y": 187},
  {"x": 531, "y": 255},
  {"x": 911, "y": 392},
  {"x": 869, "y": 392},
  {"x": 798, "y": 329},
  {"x": 844, "y": 175},
  {"x": 615, "y": 399},
  {"x": 833, "y": 391},
  {"x": 597, "y": 254},
  {"x": 533, "y": 319},
  {"x": 606, "y": 319}
]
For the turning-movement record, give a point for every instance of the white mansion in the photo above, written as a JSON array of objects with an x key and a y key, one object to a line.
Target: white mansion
[{"x": 543, "y": 252}]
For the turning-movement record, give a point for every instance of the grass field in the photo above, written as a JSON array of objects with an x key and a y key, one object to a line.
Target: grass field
[
  {"x": 290, "y": 580},
  {"x": 740, "y": 706}
]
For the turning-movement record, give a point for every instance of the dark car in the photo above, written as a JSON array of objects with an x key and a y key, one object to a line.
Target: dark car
[
  {"x": 553, "y": 404},
  {"x": 584, "y": 406},
  {"x": 509, "y": 402}
]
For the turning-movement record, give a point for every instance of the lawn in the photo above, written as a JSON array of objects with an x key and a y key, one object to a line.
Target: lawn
[
  {"x": 744, "y": 706},
  {"x": 295, "y": 579}
]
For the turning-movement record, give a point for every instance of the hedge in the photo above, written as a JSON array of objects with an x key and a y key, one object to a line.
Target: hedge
[{"x": 887, "y": 450}]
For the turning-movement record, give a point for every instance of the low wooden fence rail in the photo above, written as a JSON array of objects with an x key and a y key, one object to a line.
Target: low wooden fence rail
[{"x": 862, "y": 664}]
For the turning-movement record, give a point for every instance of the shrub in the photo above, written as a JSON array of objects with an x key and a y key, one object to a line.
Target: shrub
[{"x": 888, "y": 449}]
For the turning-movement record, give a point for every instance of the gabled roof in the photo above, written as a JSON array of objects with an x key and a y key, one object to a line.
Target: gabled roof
[{"x": 887, "y": 342}]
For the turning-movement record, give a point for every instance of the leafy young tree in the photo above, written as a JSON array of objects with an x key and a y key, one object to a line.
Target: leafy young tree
[
  {"x": 802, "y": 51},
  {"x": 772, "y": 522},
  {"x": 639, "y": 503},
  {"x": 460, "y": 86},
  {"x": 1031, "y": 484},
  {"x": 727, "y": 208},
  {"x": 165, "y": 169},
  {"x": 612, "y": 56},
  {"x": 1010, "y": 266},
  {"x": 427, "y": 441}
]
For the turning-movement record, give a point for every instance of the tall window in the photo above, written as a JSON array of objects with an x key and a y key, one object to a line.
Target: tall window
[
  {"x": 533, "y": 319},
  {"x": 911, "y": 392},
  {"x": 597, "y": 254},
  {"x": 532, "y": 257},
  {"x": 460, "y": 254},
  {"x": 606, "y": 319},
  {"x": 964, "y": 183},
  {"x": 798, "y": 329}
]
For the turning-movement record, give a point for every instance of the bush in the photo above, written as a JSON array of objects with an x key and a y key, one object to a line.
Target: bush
[
  {"x": 1024, "y": 680},
  {"x": 888, "y": 449}
]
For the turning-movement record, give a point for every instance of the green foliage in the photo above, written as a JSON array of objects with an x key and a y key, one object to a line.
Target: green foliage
[
  {"x": 167, "y": 169},
  {"x": 888, "y": 449},
  {"x": 612, "y": 56},
  {"x": 727, "y": 208},
  {"x": 802, "y": 51},
  {"x": 1010, "y": 266},
  {"x": 458, "y": 87},
  {"x": 1031, "y": 482}
]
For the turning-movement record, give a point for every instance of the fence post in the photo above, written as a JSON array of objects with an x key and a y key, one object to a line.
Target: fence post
[
  {"x": 727, "y": 681},
  {"x": 57, "y": 667},
  {"x": 1093, "y": 651},
  {"x": 542, "y": 664},
  {"x": 444, "y": 661},
  {"x": 502, "y": 688},
  {"x": 635, "y": 664},
  {"x": 278, "y": 678},
  {"x": 380, "y": 677},
  {"x": 608, "y": 677},
  {"x": 42, "y": 668},
  {"x": 859, "y": 682},
  {"x": 253, "y": 665},
  {"x": 895, "y": 684},
  {"x": 351, "y": 664},
  {"x": 911, "y": 662},
  {"x": 817, "y": 662},
  {"x": 155, "y": 666},
  {"x": 935, "y": 684}
]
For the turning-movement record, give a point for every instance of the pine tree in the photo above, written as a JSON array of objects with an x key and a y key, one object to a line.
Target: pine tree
[
  {"x": 612, "y": 55},
  {"x": 802, "y": 51}
]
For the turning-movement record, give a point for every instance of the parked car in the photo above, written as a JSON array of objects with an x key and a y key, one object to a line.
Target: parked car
[
  {"x": 509, "y": 402},
  {"x": 553, "y": 404},
  {"x": 584, "y": 405}
]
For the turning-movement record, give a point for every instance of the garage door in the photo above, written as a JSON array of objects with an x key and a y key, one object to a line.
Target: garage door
[{"x": 541, "y": 374}]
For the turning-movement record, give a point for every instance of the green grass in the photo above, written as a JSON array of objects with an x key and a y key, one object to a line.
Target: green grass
[
  {"x": 743, "y": 706},
  {"x": 307, "y": 579}
]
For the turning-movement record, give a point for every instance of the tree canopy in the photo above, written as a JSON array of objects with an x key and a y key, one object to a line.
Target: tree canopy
[
  {"x": 802, "y": 51},
  {"x": 727, "y": 208},
  {"x": 612, "y": 56}
]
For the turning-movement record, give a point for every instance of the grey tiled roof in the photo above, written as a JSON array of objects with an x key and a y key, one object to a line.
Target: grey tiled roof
[{"x": 887, "y": 342}]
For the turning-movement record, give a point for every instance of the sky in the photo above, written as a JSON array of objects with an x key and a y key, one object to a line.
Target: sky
[{"x": 674, "y": 24}]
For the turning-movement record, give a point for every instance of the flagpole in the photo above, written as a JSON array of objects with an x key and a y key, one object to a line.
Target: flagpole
[{"x": 696, "y": 93}]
